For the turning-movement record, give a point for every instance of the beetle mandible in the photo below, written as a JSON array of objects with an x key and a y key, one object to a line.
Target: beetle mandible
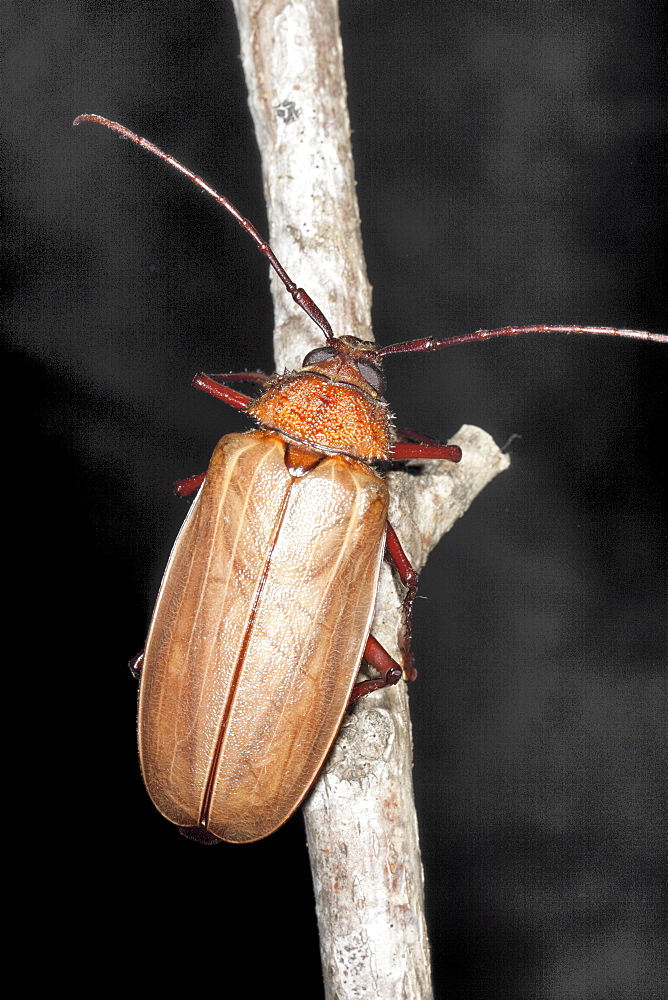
[{"x": 265, "y": 608}]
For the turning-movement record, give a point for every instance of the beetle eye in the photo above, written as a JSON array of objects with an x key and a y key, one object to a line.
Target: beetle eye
[
  {"x": 318, "y": 355},
  {"x": 372, "y": 375}
]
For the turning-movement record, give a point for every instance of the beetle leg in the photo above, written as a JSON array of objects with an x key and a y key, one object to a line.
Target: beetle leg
[
  {"x": 403, "y": 452},
  {"x": 389, "y": 670},
  {"x": 212, "y": 385},
  {"x": 409, "y": 578},
  {"x": 422, "y": 446},
  {"x": 229, "y": 396},
  {"x": 184, "y": 487},
  {"x": 136, "y": 664}
]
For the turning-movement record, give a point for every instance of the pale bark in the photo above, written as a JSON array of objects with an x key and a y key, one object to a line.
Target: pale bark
[
  {"x": 293, "y": 61},
  {"x": 360, "y": 818}
]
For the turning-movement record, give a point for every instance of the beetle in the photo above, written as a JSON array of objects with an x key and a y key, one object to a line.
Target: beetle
[{"x": 265, "y": 608}]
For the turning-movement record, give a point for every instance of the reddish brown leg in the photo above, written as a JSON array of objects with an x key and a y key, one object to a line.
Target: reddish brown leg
[
  {"x": 212, "y": 385},
  {"x": 424, "y": 448},
  {"x": 184, "y": 487},
  {"x": 389, "y": 670},
  {"x": 409, "y": 578},
  {"x": 135, "y": 665},
  {"x": 403, "y": 452},
  {"x": 229, "y": 396}
]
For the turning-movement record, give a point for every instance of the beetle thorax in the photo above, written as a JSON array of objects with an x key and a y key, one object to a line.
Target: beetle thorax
[{"x": 328, "y": 409}]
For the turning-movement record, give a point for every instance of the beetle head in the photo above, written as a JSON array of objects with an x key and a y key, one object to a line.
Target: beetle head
[{"x": 348, "y": 361}]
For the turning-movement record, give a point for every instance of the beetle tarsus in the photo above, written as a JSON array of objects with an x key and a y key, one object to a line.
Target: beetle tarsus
[{"x": 390, "y": 671}]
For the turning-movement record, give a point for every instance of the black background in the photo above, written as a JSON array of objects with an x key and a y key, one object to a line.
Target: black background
[{"x": 508, "y": 162}]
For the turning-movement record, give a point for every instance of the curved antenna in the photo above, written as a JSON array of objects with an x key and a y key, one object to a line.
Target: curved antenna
[
  {"x": 430, "y": 344},
  {"x": 301, "y": 297}
]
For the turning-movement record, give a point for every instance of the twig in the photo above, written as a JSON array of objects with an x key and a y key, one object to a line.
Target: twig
[{"x": 360, "y": 818}]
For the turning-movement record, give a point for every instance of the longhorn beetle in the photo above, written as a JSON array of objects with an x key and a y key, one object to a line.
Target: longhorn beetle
[{"x": 265, "y": 608}]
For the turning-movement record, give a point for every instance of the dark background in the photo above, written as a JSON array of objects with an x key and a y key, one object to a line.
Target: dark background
[{"x": 508, "y": 159}]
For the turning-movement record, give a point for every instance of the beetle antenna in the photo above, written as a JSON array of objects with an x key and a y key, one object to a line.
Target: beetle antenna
[
  {"x": 301, "y": 297},
  {"x": 431, "y": 344}
]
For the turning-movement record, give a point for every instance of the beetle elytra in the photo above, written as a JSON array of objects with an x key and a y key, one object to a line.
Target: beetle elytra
[{"x": 265, "y": 608}]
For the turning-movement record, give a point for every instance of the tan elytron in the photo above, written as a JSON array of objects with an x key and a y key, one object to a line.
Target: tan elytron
[{"x": 257, "y": 636}]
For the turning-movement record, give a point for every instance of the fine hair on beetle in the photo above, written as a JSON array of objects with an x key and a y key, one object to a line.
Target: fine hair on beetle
[{"x": 265, "y": 609}]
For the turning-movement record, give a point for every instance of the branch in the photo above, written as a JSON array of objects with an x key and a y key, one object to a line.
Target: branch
[
  {"x": 360, "y": 818},
  {"x": 293, "y": 61}
]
